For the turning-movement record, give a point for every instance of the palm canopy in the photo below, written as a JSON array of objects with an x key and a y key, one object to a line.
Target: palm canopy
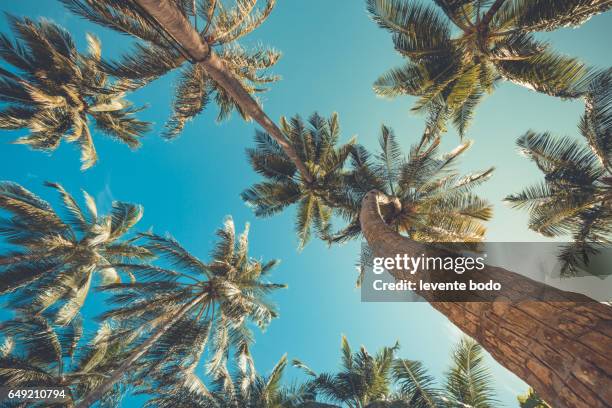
[
  {"x": 222, "y": 26},
  {"x": 458, "y": 51},
  {"x": 574, "y": 198},
  {"x": 435, "y": 203},
  {"x": 363, "y": 378},
  {"x": 316, "y": 143},
  {"x": 52, "y": 257},
  {"x": 36, "y": 354},
  {"x": 385, "y": 381},
  {"x": 57, "y": 91},
  {"x": 244, "y": 389},
  {"x": 191, "y": 307}
]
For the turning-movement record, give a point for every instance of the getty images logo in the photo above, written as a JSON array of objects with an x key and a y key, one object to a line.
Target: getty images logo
[{"x": 413, "y": 264}]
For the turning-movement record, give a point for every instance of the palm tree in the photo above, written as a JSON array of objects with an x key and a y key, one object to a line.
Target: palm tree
[
  {"x": 385, "y": 381},
  {"x": 177, "y": 310},
  {"x": 508, "y": 313},
  {"x": 244, "y": 389},
  {"x": 316, "y": 143},
  {"x": 51, "y": 260},
  {"x": 58, "y": 91},
  {"x": 574, "y": 197},
  {"x": 432, "y": 201},
  {"x": 362, "y": 380},
  {"x": 218, "y": 68},
  {"x": 458, "y": 55},
  {"x": 36, "y": 354},
  {"x": 435, "y": 201}
]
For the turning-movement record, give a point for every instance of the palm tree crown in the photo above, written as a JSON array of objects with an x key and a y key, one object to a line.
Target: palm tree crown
[
  {"x": 434, "y": 202},
  {"x": 574, "y": 197},
  {"x": 222, "y": 27},
  {"x": 55, "y": 257},
  {"x": 193, "y": 306},
  {"x": 58, "y": 90},
  {"x": 363, "y": 378},
  {"x": 317, "y": 145},
  {"x": 457, "y": 56}
]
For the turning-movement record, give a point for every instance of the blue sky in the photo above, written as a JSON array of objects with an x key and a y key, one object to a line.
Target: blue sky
[{"x": 332, "y": 53}]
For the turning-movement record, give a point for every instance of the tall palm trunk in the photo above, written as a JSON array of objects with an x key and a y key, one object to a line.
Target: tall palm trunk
[
  {"x": 109, "y": 381},
  {"x": 558, "y": 342},
  {"x": 176, "y": 24}
]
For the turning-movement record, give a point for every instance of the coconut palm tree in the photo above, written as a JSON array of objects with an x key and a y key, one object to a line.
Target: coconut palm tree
[
  {"x": 436, "y": 203},
  {"x": 432, "y": 201},
  {"x": 36, "y": 354},
  {"x": 574, "y": 198},
  {"x": 52, "y": 258},
  {"x": 244, "y": 389},
  {"x": 477, "y": 313},
  {"x": 58, "y": 93},
  {"x": 222, "y": 27},
  {"x": 458, "y": 52},
  {"x": 385, "y": 381},
  {"x": 179, "y": 309},
  {"x": 317, "y": 144},
  {"x": 219, "y": 69}
]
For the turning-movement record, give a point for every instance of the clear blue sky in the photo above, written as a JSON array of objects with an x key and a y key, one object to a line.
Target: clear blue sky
[{"x": 332, "y": 54}]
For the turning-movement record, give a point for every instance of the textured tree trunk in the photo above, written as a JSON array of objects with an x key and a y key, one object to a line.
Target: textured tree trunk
[
  {"x": 176, "y": 24},
  {"x": 120, "y": 371},
  {"x": 562, "y": 348}
]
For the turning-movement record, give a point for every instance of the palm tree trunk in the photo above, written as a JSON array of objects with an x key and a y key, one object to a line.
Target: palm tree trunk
[
  {"x": 120, "y": 371},
  {"x": 176, "y": 24},
  {"x": 558, "y": 342}
]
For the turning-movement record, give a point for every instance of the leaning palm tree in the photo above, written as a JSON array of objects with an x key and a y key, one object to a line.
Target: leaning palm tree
[
  {"x": 36, "y": 354},
  {"x": 52, "y": 259},
  {"x": 460, "y": 51},
  {"x": 222, "y": 27},
  {"x": 177, "y": 311},
  {"x": 214, "y": 66},
  {"x": 574, "y": 199},
  {"x": 316, "y": 143},
  {"x": 244, "y": 389},
  {"x": 502, "y": 312},
  {"x": 58, "y": 93}
]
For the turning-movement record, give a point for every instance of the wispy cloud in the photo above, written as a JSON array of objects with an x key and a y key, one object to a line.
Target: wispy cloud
[{"x": 104, "y": 197}]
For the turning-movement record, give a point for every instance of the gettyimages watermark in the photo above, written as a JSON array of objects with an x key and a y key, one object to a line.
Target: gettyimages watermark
[{"x": 510, "y": 271}]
